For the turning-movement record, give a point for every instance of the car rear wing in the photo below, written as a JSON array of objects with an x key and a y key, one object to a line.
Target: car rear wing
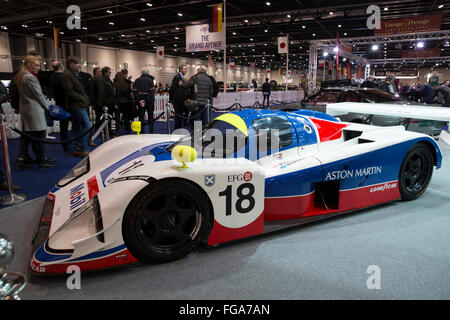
[{"x": 390, "y": 110}]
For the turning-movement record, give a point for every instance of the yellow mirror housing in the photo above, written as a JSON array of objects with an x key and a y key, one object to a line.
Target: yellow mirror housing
[
  {"x": 184, "y": 154},
  {"x": 136, "y": 126}
]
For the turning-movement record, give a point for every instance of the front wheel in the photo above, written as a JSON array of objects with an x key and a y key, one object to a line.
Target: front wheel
[
  {"x": 165, "y": 221},
  {"x": 415, "y": 172}
]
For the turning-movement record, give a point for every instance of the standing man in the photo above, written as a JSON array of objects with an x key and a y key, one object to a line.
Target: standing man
[
  {"x": 216, "y": 90},
  {"x": 144, "y": 88},
  {"x": 77, "y": 102},
  {"x": 427, "y": 93},
  {"x": 266, "y": 92},
  {"x": 105, "y": 93},
  {"x": 177, "y": 96},
  {"x": 56, "y": 84},
  {"x": 203, "y": 90}
]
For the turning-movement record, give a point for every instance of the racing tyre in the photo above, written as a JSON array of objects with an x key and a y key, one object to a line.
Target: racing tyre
[
  {"x": 165, "y": 221},
  {"x": 415, "y": 172}
]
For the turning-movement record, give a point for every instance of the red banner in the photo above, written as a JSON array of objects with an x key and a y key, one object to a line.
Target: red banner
[
  {"x": 410, "y": 25},
  {"x": 421, "y": 53}
]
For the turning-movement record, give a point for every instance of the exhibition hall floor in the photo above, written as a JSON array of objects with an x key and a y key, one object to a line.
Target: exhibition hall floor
[{"x": 407, "y": 241}]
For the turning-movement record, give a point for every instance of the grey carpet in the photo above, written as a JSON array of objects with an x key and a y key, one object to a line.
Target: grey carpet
[{"x": 409, "y": 241}]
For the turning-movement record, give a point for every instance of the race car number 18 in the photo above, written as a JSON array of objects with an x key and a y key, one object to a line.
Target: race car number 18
[{"x": 241, "y": 198}]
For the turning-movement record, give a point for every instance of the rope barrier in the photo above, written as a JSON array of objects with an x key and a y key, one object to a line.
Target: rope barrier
[
  {"x": 191, "y": 117},
  {"x": 52, "y": 142}
]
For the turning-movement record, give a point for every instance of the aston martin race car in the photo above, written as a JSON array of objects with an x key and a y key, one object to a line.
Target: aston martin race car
[{"x": 153, "y": 198}]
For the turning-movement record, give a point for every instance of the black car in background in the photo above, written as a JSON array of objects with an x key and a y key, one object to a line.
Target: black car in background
[{"x": 319, "y": 101}]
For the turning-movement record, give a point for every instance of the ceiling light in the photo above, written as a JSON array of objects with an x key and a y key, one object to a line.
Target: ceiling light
[
  {"x": 180, "y": 14},
  {"x": 331, "y": 12},
  {"x": 149, "y": 4},
  {"x": 266, "y": 30},
  {"x": 176, "y": 38},
  {"x": 246, "y": 21},
  {"x": 420, "y": 44},
  {"x": 267, "y": 3},
  {"x": 109, "y": 11},
  {"x": 375, "y": 47},
  {"x": 111, "y": 23},
  {"x": 176, "y": 28},
  {"x": 84, "y": 28},
  {"x": 441, "y": 6},
  {"x": 386, "y": 9},
  {"x": 288, "y": 16},
  {"x": 148, "y": 31},
  {"x": 143, "y": 19},
  {"x": 345, "y": 33},
  {"x": 152, "y": 40},
  {"x": 314, "y": 34},
  {"x": 234, "y": 33},
  {"x": 77, "y": 40},
  {"x": 303, "y": 27},
  {"x": 325, "y": 54},
  {"x": 25, "y": 26},
  {"x": 339, "y": 25}
]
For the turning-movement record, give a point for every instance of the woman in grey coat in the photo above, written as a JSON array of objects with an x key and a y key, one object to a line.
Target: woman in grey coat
[{"x": 32, "y": 108}]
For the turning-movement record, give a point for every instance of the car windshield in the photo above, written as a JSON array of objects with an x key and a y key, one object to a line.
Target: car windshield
[
  {"x": 379, "y": 96},
  {"x": 218, "y": 139}
]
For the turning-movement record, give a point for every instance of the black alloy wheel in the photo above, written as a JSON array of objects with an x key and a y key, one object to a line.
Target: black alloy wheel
[
  {"x": 165, "y": 221},
  {"x": 415, "y": 172}
]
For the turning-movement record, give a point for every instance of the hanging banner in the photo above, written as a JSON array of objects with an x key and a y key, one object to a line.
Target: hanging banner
[
  {"x": 210, "y": 61},
  {"x": 215, "y": 18},
  {"x": 421, "y": 53},
  {"x": 252, "y": 67},
  {"x": 160, "y": 52},
  {"x": 410, "y": 25},
  {"x": 232, "y": 65},
  {"x": 283, "y": 45},
  {"x": 198, "y": 39},
  {"x": 57, "y": 38}
]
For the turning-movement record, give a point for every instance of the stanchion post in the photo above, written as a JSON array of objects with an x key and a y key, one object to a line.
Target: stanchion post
[
  {"x": 11, "y": 198},
  {"x": 208, "y": 114},
  {"x": 106, "y": 118},
  {"x": 168, "y": 117}
]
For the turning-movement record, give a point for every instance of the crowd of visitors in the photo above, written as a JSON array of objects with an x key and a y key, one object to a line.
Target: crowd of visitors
[
  {"x": 76, "y": 92},
  {"x": 429, "y": 93}
]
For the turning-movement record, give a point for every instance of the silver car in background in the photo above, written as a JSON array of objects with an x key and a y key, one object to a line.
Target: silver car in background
[{"x": 319, "y": 101}]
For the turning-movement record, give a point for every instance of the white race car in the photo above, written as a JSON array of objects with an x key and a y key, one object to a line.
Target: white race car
[{"x": 129, "y": 200}]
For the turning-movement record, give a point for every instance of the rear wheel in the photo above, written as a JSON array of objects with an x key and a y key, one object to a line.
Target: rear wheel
[
  {"x": 415, "y": 172},
  {"x": 165, "y": 221}
]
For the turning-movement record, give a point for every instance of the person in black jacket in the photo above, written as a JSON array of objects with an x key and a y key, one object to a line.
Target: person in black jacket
[
  {"x": 60, "y": 99},
  {"x": 104, "y": 96},
  {"x": 144, "y": 90},
  {"x": 266, "y": 92},
  {"x": 123, "y": 99},
  {"x": 177, "y": 96}
]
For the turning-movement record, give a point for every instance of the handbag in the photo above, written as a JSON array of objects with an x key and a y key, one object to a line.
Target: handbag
[{"x": 58, "y": 113}]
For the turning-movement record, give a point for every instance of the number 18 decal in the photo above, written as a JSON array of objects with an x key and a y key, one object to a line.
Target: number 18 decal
[{"x": 244, "y": 192}]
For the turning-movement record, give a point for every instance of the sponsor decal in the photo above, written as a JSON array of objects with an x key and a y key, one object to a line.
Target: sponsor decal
[
  {"x": 36, "y": 268},
  {"x": 143, "y": 178},
  {"x": 384, "y": 187},
  {"x": 248, "y": 176},
  {"x": 345, "y": 174},
  {"x": 284, "y": 165},
  {"x": 210, "y": 180},
  {"x": 77, "y": 196}
]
